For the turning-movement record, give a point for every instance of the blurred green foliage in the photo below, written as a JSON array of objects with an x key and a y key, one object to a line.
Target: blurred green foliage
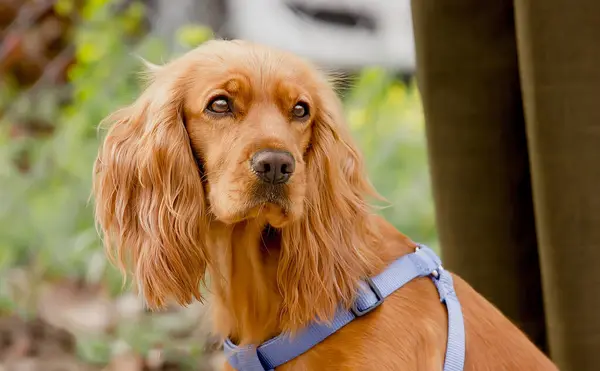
[
  {"x": 387, "y": 121},
  {"x": 46, "y": 221}
]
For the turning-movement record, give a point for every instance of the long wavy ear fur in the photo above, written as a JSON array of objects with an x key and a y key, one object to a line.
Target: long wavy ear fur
[
  {"x": 149, "y": 199},
  {"x": 326, "y": 252}
]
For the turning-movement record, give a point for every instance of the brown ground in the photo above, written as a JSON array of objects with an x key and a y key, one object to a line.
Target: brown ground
[{"x": 68, "y": 314}]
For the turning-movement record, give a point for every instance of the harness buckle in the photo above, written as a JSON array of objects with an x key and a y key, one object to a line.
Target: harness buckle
[
  {"x": 361, "y": 312},
  {"x": 437, "y": 272}
]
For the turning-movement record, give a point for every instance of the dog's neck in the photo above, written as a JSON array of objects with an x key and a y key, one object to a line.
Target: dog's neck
[{"x": 248, "y": 302}]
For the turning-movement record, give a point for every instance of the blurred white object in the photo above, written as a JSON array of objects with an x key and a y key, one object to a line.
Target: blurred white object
[{"x": 341, "y": 34}]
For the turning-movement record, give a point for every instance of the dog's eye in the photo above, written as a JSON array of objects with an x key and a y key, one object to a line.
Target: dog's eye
[
  {"x": 219, "y": 105},
  {"x": 300, "y": 110}
]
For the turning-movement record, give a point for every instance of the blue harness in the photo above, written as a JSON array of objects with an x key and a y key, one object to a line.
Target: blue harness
[{"x": 422, "y": 263}]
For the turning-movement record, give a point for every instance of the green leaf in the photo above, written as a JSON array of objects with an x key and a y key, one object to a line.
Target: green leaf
[{"x": 193, "y": 35}]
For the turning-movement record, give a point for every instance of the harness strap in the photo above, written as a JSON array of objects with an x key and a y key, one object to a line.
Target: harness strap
[{"x": 422, "y": 263}]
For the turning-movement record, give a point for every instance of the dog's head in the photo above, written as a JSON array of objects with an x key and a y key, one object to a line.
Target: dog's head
[{"x": 231, "y": 131}]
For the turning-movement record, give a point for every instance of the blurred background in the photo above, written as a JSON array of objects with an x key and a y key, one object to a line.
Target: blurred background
[{"x": 66, "y": 64}]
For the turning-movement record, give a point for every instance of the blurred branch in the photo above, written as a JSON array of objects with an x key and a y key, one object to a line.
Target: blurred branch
[
  {"x": 51, "y": 74},
  {"x": 28, "y": 14}
]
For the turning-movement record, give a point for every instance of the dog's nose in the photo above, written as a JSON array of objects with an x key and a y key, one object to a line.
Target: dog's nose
[{"x": 273, "y": 166}]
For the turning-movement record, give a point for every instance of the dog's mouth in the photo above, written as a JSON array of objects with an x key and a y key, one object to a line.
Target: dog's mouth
[
  {"x": 270, "y": 203},
  {"x": 273, "y": 194}
]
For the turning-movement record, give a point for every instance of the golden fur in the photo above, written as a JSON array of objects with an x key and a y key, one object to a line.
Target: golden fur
[{"x": 176, "y": 200}]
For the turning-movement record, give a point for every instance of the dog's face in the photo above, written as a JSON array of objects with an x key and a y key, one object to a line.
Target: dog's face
[
  {"x": 228, "y": 132},
  {"x": 249, "y": 118}
]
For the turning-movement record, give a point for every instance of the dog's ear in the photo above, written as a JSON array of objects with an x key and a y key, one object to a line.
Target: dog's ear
[
  {"x": 326, "y": 251},
  {"x": 149, "y": 198}
]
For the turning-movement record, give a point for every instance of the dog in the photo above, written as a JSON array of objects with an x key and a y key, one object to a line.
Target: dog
[{"x": 235, "y": 163}]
